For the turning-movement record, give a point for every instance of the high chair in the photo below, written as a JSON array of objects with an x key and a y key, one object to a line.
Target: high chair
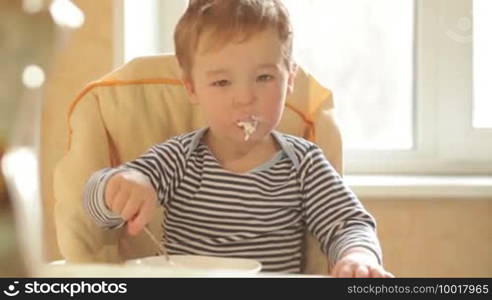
[{"x": 118, "y": 117}]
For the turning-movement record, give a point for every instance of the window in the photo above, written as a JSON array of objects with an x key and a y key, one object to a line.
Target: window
[
  {"x": 401, "y": 75},
  {"x": 482, "y": 64},
  {"x": 149, "y": 26},
  {"x": 141, "y": 28},
  {"x": 363, "y": 51},
  {"x": 459, "y": 82},
  {"x": 410, "y": 78}
]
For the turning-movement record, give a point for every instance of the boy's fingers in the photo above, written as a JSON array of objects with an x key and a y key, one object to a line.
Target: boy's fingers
[
  {"x": 143, "y": 217},
  {"x": 119, "y": 201},
  {"x": 132, "y": 227},
  {"x": 337, "y": 268},
  {"x": 110, "y": 193},
  {"x": 377, "y": 272},
  {"x": 131, "y": 209},
  {"x": 112, "y": 187},
  {"x": 334, "y": 270},
  {"x": 346, "y": 271},
  {"x": 152, "y": 196},
  {"x": 362, "y": 271},
  {"x": 388, "y": 275}
]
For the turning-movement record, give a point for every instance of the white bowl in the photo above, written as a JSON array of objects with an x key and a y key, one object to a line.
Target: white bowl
[{"x": 201, "y": 264}]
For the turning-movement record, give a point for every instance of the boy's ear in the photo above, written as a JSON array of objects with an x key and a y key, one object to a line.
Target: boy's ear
[
  {"x": 190, "y": 89},
  {"x": 292, "y": 78}
]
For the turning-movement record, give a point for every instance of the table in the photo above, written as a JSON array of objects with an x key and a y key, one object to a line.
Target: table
[{"x": 100, "y": 270}]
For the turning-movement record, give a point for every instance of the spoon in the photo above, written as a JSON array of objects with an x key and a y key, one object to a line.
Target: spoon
[{"x": 162, "y": 249}]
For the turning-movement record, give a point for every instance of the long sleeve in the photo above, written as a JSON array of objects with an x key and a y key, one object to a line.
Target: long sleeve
[
  {"x": 161, "y": 165},
  {"x": 94, "y": 203},
  {"x": 332, "y": 212}
]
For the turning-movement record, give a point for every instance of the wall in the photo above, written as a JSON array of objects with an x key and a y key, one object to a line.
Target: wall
[{"x": 435, "y": 237}]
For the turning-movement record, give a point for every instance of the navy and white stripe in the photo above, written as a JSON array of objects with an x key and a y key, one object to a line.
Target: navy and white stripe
[{"x": 260, "y": 215}]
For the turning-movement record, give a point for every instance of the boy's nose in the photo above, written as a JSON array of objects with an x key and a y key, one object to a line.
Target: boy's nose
[{"x": 245, "y": 96}]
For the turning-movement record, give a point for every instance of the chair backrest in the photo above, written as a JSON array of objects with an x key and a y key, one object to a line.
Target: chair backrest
[{"x": 118, "y": 117}]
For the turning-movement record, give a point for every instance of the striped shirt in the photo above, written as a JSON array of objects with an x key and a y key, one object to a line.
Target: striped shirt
[{"x": 261, "y": 214}]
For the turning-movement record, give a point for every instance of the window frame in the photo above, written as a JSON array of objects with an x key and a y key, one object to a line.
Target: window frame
[{"x": 445, "y": 141}]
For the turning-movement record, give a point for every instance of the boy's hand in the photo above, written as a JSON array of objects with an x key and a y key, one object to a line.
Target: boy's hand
[
  {"x": 130, "y": 195},
  {"x": 359, "y": 262}
]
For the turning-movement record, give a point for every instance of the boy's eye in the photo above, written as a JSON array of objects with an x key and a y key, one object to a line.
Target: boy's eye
[
  {"x": 221, "y": 83},
  {"x": 265, "y": 77}
]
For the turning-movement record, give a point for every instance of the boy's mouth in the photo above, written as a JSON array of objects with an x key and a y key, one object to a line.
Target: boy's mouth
[{"x": 248, "y": 125}]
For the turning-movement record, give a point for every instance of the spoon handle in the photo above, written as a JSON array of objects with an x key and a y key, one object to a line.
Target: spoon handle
[{"x": 162, "y": 249}]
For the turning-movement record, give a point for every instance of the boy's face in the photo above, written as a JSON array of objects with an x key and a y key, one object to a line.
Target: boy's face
[{"x": 241, "y": 80}]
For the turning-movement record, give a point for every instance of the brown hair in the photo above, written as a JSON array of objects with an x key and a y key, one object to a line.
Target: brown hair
[{"x": 229, "y": 20}]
